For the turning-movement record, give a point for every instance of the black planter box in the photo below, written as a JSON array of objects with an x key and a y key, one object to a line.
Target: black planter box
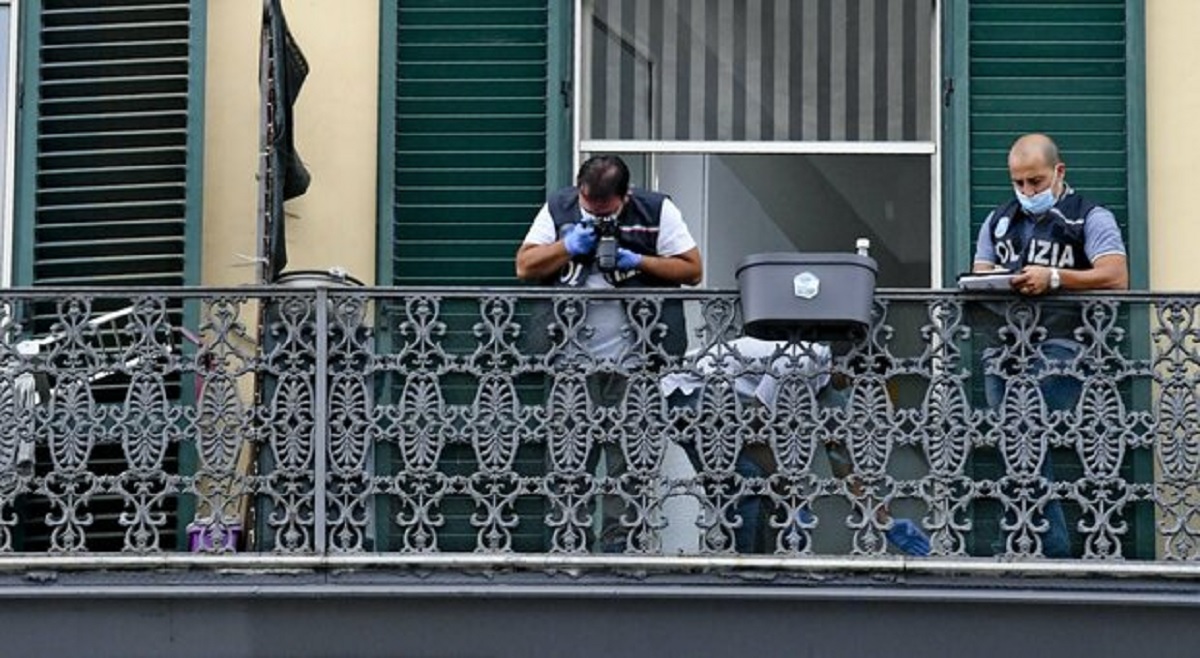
[{"x": 807, "y": 296}]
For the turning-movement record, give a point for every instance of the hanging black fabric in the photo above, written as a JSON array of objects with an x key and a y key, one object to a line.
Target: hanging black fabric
[{"x": 287, "y": 177}]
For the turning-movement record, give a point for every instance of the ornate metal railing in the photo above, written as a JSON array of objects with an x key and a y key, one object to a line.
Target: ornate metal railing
[{"x": 451, "y": 421}]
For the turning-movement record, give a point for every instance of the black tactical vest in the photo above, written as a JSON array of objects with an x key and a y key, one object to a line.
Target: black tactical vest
[
  {"x": 1054, "y": 240},
  {"x": 638, "y": 226}
]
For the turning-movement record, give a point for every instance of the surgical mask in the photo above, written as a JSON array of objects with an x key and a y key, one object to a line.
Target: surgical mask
[
  {"x": 1038, "y": 203},
  {"x": 588, "y": 219}
]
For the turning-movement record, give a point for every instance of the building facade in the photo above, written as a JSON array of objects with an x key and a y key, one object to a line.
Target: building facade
[{"x": 400, "y": 462}]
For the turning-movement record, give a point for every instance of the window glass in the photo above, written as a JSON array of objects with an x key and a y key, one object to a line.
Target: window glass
[{"x": 741, "y": 204}]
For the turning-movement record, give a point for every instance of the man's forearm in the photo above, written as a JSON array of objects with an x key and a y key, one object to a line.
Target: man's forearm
[
  {"x": 1107, "y": 278},
  {"x": 683, "y": 269},
  {"x": 539, "y": 261}
]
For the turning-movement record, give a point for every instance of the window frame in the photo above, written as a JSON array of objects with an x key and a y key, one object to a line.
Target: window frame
[
  {"x": 932, "y": 148},
  {"x": 8, "y": 206}
]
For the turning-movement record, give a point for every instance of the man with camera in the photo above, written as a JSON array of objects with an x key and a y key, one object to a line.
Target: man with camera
[
  {"x": 651, "y": 246},
  {"x": 600, "y": 234}
]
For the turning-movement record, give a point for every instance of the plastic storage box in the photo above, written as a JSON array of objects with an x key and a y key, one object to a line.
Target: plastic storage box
[{"x": 807, "y": 296}]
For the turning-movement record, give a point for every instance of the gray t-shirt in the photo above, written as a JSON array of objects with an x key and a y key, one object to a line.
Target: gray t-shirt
[{"x": 1101, "y": 235}]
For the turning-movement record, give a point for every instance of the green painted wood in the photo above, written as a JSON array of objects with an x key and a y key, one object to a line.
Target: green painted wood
[
  {"x": 109, "y": 180},
  {"x": 1144, "y": 535},
  {"x": 112, "y": 134},
  {"x": 473, "y": 133},
  {"x": 1096, "y": 104},
  {"x": 560, "y": 147},
  {"x": 1071, "y": 69},
  {"x": 955, "y": 163},
  {"x": 1049, "y": 87},
  {"x": 469, "y": 135},
  {"x": 514, "y": 177},
  {"x": 501, "y": 232},
  {"x": 1051, "y": 67},
  {"x": 486, "y": 17},
  {"x": 458, "y": 6}
]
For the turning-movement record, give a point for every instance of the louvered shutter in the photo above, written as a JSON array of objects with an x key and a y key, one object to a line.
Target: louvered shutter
[
  {"x": 474, "y": 134},
  {"x": 110, "y": 202},
  {"x": 470, "y": 137},
  {"x": 1058, "y": 68},
  {"x": 110, "y": 115}
]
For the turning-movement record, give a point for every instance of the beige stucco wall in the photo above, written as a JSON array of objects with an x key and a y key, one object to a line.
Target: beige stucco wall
[
  {"x": 1173, "y": 126},
  {"x": 333, "y": 224}
]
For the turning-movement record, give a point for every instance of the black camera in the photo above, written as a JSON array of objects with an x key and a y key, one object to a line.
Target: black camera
[{"x": 606, "y": 249}]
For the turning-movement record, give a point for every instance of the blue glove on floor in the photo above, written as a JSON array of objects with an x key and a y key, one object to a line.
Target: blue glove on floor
[
  {"x": 580, "y": 239},
  {"x": 628, "y": 260},
  {"x": 908, "y": 537}
]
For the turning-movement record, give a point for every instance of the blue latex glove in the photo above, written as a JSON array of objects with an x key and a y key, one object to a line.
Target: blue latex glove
[
  {"x": 628, "y": 260},
  {"x": 908, "y": 537},
  {"x": 805, "y": 518},
  {"x": 580, "y": 239}
]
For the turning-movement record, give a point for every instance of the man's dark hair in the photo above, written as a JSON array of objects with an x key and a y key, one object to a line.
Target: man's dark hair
[{"x": 604, "y": 177}]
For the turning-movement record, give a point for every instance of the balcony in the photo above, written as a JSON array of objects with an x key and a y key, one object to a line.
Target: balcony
[{"x": 366, "y": 455}]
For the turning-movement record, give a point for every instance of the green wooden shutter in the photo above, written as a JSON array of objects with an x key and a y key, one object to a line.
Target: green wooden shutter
[
  {"x": 473, "y": 134},
  {"x": 109, "y": 183},
  {"x": 470, "y": 141},
  {"x": 1061, "y": 68},
  {"x": 1057, "y": 68},
  {"x": 111, "y": 193}
]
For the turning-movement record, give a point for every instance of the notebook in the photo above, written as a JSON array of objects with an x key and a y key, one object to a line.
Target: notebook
[{"x": 999, "y": 280}]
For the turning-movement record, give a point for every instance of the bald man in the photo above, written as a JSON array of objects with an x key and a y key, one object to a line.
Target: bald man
[
  {"x": 1055, "y": 240},
  {"x": 1051, "y": 236}
]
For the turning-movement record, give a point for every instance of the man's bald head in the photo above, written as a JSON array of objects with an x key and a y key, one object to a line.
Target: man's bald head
[
  {"x": 1034, "y": 165},
  {"x": 1035, "y": 148}
]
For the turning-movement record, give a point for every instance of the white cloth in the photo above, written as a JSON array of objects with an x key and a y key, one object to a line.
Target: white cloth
[
  {"x": 17, "y": 398},
  {"x": 746, "y": 360}
]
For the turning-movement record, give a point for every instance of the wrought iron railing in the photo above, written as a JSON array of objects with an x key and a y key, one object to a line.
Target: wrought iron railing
[{"x": 331, "y": 421}]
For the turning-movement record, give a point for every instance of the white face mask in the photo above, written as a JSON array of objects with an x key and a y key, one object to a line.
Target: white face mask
[{"x": 1039, "y": 203}]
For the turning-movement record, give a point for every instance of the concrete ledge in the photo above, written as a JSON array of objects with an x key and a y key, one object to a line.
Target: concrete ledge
[{"x": 446, "y": 613}]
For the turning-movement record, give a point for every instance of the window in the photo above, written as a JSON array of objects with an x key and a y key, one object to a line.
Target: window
[
  {"x": 776, "y": 124},
  {"x": 8, "y": 93}
]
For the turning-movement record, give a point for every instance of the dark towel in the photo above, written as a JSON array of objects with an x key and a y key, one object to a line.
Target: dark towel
[{"x": 288, "y": 177}]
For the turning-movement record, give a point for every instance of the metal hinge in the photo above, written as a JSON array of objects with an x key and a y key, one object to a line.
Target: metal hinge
[
  {"x": 947, "y": 91},
  {"x": 564, "y": 89}
]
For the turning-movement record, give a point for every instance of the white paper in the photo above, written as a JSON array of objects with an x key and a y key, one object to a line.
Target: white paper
[{"x": 985, "y": 281}]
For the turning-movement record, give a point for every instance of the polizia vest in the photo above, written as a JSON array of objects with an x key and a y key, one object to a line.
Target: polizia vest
[{"x": 638, "y": 226}]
